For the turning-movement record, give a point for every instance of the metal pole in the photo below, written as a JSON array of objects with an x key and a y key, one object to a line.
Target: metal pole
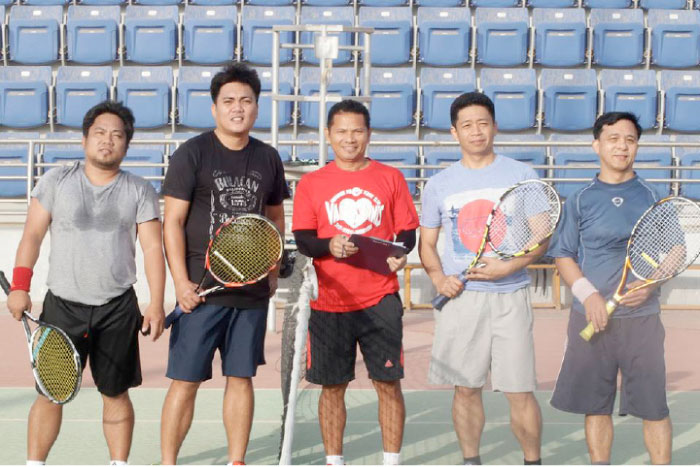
[
  {"x": 274, "y": 130},
  {"x": 323, "y": 149}
]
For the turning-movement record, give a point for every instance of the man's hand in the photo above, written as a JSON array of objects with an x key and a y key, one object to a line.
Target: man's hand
[
  {"x": 596, "y": 313},
  {"x": 18, "y": 302},
  {"x": 638, "y": 297},
  {"x": 489, "y": 269},
  {"x": 341, "y": 247},
  {"x": 396, "y": 263},
  {"x": 449, "y": 286},
  {"x": 186, "y": 294},
  {"x": 153, "y": 321}
]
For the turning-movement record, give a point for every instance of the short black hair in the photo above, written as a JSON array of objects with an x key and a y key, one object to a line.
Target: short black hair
[
  {"x": 110, "y": 107},
  {"x": 611, "y": 118},
  {"x": 235, "y": 73},
  {"x": 471, "y": 98},
  {"x": 348, "y": 106}
]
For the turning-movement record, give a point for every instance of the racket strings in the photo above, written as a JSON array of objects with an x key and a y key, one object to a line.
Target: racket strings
[
  {"x": 244, "y": 250},
  {"x": 55, "y": 363},
  {"x": 666, "y": 240},
  {"x": 525, "y": 217}
]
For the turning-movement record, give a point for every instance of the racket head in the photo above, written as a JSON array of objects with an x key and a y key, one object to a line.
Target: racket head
[
  {"x": 55, "y": 363},
  {"x": 244, "y": 250},
  {"x": 525, "y": 216},
  {"x": 665, "y": 240}
]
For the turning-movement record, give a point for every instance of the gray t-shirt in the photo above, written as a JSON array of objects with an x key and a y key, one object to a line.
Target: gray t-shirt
[{"x": 93, "y": 232}]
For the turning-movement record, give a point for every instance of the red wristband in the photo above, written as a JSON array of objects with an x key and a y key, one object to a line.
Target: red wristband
[{"x": 21, "y": 279}]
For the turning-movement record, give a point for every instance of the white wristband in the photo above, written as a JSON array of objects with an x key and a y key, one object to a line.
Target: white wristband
[{"x": 582, "y": 289}]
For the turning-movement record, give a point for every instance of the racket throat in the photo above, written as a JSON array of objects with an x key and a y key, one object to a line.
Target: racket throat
[{"x": 612, "y": 304}]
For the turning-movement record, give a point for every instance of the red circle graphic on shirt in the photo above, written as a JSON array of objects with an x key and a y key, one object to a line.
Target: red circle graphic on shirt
[{"x": 471, "y": 222}]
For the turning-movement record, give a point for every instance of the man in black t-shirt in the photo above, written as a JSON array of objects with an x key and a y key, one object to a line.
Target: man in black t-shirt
[{"x": 212, "y": 177}]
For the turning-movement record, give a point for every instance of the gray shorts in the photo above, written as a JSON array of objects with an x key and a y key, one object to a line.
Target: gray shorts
[
  {"x": 587, "y": 382},
  {"x": 481, "y": 331}
]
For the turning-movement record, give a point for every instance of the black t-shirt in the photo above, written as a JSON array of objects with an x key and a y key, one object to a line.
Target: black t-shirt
[{"x": 219, "y": 184}]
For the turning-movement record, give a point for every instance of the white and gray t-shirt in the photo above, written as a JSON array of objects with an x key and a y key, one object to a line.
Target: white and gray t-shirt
[{"x": 93, "y": 232}]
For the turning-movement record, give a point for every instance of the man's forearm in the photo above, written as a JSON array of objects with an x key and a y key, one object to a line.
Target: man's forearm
[
  {"x": 431, "y": 261},
  {"x": 174, "y": 239}
]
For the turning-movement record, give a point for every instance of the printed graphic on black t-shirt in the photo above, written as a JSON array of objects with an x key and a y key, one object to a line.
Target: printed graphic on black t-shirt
[{"x": 221, "y": 184}]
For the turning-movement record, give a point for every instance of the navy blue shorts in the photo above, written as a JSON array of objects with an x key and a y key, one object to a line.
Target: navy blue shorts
[
  {"x": 587, "y": 382},
  {"x": 238, "y": 334}
]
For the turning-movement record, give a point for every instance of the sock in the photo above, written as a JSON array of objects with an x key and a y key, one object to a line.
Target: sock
[
  {"x": 30, "y": 462},
  {"x": 601, "y": 463},
  {"x": 476, "y": 460},
  {"x": 335, "y": 460},
  {"x": 113, "y": 462},
  {"x": 392, "y": 458},
  {"x": 535, "y": 462}
]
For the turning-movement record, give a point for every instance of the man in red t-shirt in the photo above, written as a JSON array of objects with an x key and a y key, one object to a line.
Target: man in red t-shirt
[{"x": 354, "y": 195}]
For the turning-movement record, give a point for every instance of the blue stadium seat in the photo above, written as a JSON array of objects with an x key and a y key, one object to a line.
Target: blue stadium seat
[
  {"x": 145, "y": 153},
  {"x": 92, "y": 35},
  {"x": 102, "y": 2},
  {"x": 158, "y": 2},
  {"x": 663, "y": 4},
  {"x": 682, "y": 99},
  {"x": 439, "y": 155},
  {"x": 342, "y": 83},
  {"x": 675, "y": 38},
  {"x": 342, "y": 15},
  {"x": 439, "y": 88},
  {"x": 77, "y": 90},
  {"x": 439, "y": 3},
  {"x": 147, "y": 92},
  {"x": 151, "y": 33},
  {"x": 285, "y": 152},
  {"x": 310, "y": 153},
  {"x": 632, "y": 91},
  {"x": 34, "y": 33},
  {"x": 552, "y": 3},
  {"x": 382, "y": 3},
  {"x": 212, "y": 2},
  {"x": 560, "y": 36},
  {"x": 14, "y": 153},
  {"x": 494, "y": 3},
  {"x": 444, "y": 36},
  {"x": 194, "y": 97},
  {"x": 502, "y": 36},
  {"x": 689, "y": 156},
  {"x": 514, "y": 94},
  {"x": 45, "y": 2},
  {"x": 393, "y": 34},
  {"x": 532, "y": 155},
  {"x": 61, "y": 153},
  {"x": 618, "y": 37},
  {"x": 327, "y": 2},
  {"x": 284, "y": 108},
  {"x": 209, "y": 33},
  {"x": 569, "y": 155},
  {"x": 24, "y": 96},
  {"x": 659, "y": 156},
  {"x": 257, "y": 22},
  {"x": 270, "y": 2},
  {"x": 607, "y": 3},
  {"x": 393, "y": 92},
  {"x": 396, "y": 155},
  {"x": 570, "y": 98}
]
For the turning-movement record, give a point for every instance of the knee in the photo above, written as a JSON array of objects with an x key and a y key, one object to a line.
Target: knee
[
  {"x": 387, "y": 388},
  {"x": 334, "y": 390},
  {"x": 184, "y": 389}
]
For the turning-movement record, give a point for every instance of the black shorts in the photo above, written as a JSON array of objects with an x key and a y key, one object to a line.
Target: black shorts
[
  {"x": 587, "y": 382},
  {"x": 106, "y": 336},
  {"x": 333, "y": 339}
]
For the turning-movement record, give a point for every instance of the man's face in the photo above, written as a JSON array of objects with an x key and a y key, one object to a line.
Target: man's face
[
  {"x": 105, "y": 144},
  {"x": 617, "y": 146},
  {"x": 348, "y": 135},
  {"x": 474, "y": 130},
  {"x": 235, "y": 109}
]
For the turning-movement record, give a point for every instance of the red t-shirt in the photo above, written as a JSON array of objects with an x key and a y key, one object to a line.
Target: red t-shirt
[{"x": 374, "y": 202}]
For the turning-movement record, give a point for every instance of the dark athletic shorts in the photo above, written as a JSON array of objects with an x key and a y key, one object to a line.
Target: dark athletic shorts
[
  {"x": 238, "y": 334},
  {"x": 587, "y": 381},
  {"x": 333, "y": 339},
  {"x": 105, "y": 336}
]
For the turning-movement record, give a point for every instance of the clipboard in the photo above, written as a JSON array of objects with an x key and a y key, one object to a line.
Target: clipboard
[{"x": 373, "y": 253}]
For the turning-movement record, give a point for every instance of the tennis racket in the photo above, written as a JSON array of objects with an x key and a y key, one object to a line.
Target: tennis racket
[
  {"x": 243, "y": 251},
  {"x": 522, "y": 219},
  {"x": 54, "y": 360},
  {"x": 664, "y": 242}
]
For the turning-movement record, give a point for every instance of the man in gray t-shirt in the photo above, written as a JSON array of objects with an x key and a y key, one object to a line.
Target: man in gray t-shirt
[{"x": 95, "y": 211}]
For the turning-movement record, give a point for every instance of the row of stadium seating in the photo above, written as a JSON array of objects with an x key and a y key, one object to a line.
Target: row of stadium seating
[
  {"x": 210, "y": 35},
  {"x": 645, "y": 4},
  {"x": 567, "y": 99},
  {"x": 555, "y": 158}
]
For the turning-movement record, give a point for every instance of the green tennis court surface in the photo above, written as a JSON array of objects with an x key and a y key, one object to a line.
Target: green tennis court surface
[{"x": 429, "y": 437}]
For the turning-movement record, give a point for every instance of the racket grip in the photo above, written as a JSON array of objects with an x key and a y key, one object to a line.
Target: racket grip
[
  {"x": 4, "y": 283},
  {"x": 588, "y": 331},
  {"x": 441, "y": 300},
  {"x": 173, "y": 316}
]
